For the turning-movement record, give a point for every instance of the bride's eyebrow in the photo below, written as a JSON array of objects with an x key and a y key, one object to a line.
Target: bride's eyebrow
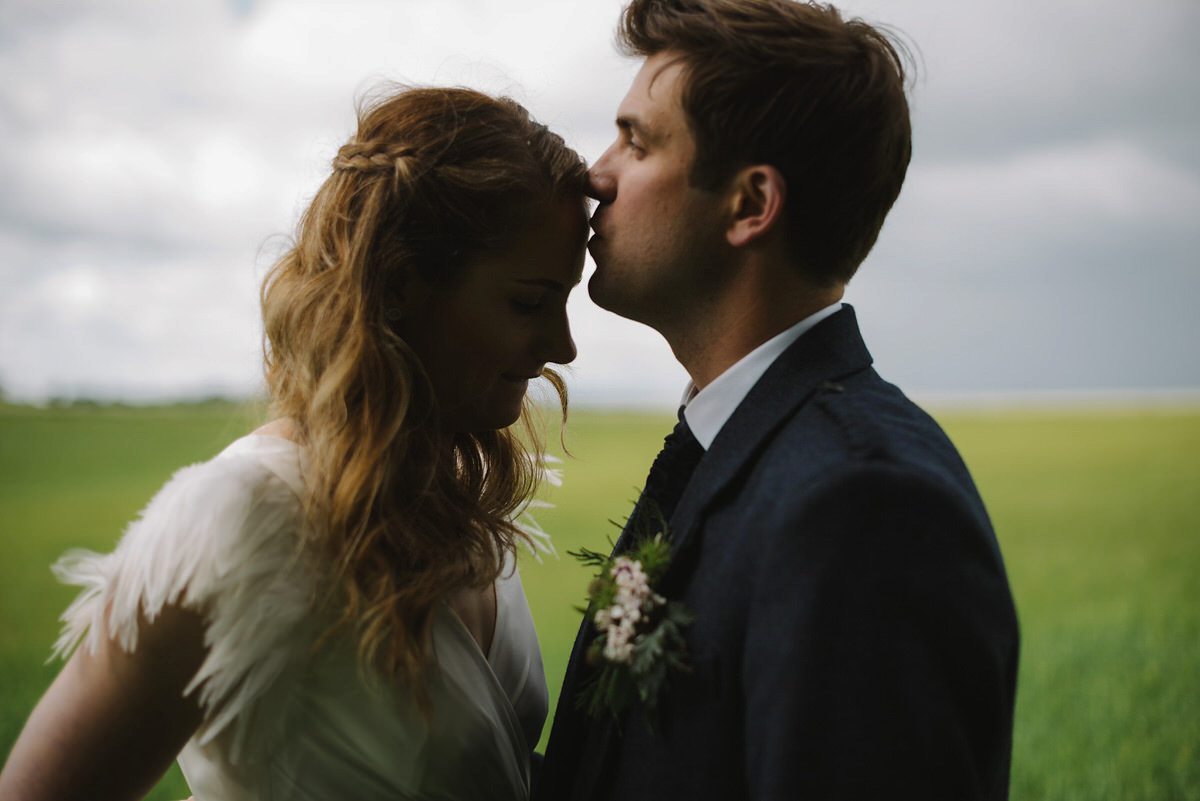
[{"x": 549, "y": 283}]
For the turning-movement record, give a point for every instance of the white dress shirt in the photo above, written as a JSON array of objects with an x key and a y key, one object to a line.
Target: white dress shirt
[{"x": 707, "y": 411}]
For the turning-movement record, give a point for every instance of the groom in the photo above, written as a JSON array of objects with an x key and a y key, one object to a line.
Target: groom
[{"x": 854, "y": 635}]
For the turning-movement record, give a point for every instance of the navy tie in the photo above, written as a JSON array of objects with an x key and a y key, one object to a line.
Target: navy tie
[{"x": 669, "y": 476}]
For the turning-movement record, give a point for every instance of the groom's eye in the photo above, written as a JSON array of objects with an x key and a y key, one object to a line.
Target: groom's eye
[{"x": 628, "y": 137}]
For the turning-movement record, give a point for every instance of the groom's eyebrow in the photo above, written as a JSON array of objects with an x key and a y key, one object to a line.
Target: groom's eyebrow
[{"x": 633, "y": 124}]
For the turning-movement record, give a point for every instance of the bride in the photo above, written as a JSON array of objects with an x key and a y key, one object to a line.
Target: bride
[{"x": 330, "y": 607}]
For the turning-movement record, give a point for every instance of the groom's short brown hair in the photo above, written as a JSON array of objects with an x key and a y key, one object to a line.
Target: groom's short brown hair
[{"x": 795, "y": 86}]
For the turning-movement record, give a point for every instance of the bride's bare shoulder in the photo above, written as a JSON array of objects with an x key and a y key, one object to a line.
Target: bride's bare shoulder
[{"x": 283, "y": 427}]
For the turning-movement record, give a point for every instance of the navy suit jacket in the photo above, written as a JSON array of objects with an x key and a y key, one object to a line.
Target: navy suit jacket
[{"x": 854, "y": 634}]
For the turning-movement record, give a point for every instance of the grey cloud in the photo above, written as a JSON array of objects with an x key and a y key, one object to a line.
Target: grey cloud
[{"x": 1046, "y": 237}]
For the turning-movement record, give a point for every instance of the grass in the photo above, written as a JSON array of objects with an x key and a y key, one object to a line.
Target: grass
[
  {"x": 1099, "y": 518},
  {"x": 1097, "y": 512},
  {"x": 71, "y": 478}
]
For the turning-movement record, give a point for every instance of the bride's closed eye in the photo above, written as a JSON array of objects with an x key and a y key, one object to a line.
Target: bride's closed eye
[{"x": 528, "y": 304}]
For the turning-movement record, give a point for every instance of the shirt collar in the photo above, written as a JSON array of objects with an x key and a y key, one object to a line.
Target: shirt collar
[{"x": 707, "y": 410}]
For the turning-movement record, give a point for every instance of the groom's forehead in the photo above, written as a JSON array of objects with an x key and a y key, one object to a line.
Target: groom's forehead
[{"x": 653, "y": 100}]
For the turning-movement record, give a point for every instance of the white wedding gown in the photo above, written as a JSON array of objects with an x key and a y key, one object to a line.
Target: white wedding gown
[{"x": 284, "y": 717}]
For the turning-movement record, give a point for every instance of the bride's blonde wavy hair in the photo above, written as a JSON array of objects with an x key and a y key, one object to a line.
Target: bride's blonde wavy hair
[{"x": 432, "y": 178}]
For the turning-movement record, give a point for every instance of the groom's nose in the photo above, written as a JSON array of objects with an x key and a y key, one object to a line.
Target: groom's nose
[{"x": 601, "y": 184}]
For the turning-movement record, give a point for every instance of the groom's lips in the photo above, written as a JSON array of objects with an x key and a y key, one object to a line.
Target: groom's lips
[
  {"x": 595, "y": 225},
  {"x": 595, "y": 222},
  {"x": 596, "y": 240}
]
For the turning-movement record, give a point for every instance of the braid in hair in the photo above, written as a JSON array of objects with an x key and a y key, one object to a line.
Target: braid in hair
[{"x": 376, "y": 157}]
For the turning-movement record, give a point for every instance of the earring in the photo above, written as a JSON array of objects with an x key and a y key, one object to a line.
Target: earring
[{"x": 393, "y": 314}]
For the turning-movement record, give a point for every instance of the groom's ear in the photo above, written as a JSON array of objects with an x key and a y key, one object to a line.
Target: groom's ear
[{"x": 756, "y": 197}]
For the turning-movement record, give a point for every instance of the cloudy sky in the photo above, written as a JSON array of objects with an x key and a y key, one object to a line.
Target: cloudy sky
[{"x": 153, "y": 156}]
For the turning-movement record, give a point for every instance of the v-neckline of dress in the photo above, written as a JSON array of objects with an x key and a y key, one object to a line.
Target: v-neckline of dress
[{"x": 491, "y": 649}]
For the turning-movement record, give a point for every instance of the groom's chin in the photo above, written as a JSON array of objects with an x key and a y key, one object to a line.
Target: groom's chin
[
  {"x": 621, "y": 299},
  {"x": 604, "y": 295}
]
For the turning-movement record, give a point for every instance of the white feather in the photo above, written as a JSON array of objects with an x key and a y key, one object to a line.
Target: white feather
[{"x": 221, "y": 538}]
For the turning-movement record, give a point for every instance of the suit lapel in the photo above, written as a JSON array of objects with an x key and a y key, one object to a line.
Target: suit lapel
[{"x": 832, "y": 349}]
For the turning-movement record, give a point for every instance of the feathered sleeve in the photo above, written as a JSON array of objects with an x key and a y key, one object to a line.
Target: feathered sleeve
[
  {"x": 536, "y": 538},
  {"x": 220, "y": 538}
]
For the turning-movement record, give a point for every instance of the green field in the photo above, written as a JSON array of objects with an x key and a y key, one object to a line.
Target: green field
[{"x": 1098, "y": 515}]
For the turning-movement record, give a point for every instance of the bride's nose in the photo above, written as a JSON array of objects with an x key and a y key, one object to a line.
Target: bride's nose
[{"x": 556, "y": 345}]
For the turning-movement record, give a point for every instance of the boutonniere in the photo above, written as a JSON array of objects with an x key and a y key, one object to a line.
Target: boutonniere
[{"x": 639, "y": 638}]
